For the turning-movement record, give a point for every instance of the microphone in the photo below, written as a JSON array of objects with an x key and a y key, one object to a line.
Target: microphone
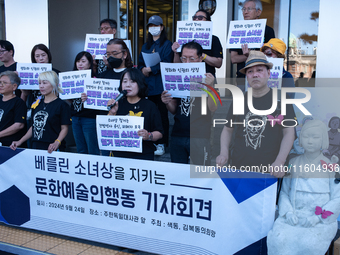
[{"x": 119, "y": 97}]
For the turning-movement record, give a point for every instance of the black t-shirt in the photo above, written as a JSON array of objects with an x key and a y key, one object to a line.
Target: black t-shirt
[
  {"x": 257, "y": 142},
  {"x": 47, "y": 120},
  {"x": 216, "y": 51},
  {"x": 78, "y": 110},
  {"x": 152, "y": 122},
  {"x": 13, "y": 68},
  {"x": 110, "y": 74},
  {"x": 12, "y": 111},
  {"x": 268, "y": 34},
  {"x": 189, "y": 122},
  {"x": 101, "y": 67}
]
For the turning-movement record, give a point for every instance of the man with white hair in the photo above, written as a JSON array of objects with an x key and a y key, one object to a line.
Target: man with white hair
[{"x": 251, "y": 10}]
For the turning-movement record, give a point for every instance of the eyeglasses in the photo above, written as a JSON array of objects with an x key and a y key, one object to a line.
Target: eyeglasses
[
  {"x": 2, "y": 51},
  {"x": 199, "y": 17},
  {"x": 190, "y": 60},
  {"x": 248, "y": 9},
  {"x": 268, "y": 53},
  {"x": 104, "y": 28},
  {"x": 112, "y": 53}
]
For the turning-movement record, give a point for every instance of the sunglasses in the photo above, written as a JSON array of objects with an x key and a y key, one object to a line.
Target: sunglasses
[{"x": 199, "y": 17}]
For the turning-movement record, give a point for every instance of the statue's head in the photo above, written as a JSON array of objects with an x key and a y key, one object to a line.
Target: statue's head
[{"x": 314, "y": 136}]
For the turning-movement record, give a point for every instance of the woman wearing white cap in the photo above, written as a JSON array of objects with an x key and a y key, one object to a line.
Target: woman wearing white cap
[{"x": 157, "y": 42}]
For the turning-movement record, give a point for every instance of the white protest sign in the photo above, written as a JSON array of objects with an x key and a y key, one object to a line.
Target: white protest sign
[
  {"x": 275, "y": 79},
  {"x": 200, "y": 31},
  {"x": 250, "y": 32},
  {"x": 73, "y": 83},
  {"x": 96, "y": 44},
  {"x": 183, "y": 79},
  {"x": 119, "y": 133},
  {"x": 29, "y": 73},
  {"x": 99, "y": 92},
  {"x": 151, "y": 59}
]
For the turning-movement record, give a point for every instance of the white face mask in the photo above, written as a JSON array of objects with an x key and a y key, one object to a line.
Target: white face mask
[{"x": 155, "y": 31}]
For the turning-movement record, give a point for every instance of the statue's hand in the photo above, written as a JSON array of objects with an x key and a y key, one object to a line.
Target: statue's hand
[
  {"x": 291, "y": 219},
  {"x": 311, "y": 221}
]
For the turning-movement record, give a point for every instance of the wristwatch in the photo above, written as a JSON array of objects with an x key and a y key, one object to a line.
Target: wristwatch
[{"x": 150, "y": 137}]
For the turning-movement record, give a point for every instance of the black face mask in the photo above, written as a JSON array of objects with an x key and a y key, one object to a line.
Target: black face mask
[{"x": 114, "y": 62}]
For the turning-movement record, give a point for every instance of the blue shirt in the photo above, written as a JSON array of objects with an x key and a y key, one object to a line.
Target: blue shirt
[{"x": 154, "y": 80}]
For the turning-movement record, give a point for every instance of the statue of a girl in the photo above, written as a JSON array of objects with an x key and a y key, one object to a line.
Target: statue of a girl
[{"x": 309, "y": 202}]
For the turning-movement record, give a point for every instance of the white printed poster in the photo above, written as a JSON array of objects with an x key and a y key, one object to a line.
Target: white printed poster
[
  {"x": 249, "y": 32},
  {"x": 95, "y": 44},
  {"x": 99, "y": 92},
  {"x": 73, "y": 83},
  {"x": 29, "y": 74},
  {"x": 119, "y": 133},
  {"x": 184, "y": 79},
  {"x": 200, "y": 31}
]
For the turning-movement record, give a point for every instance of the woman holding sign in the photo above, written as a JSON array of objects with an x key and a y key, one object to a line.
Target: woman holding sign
[
  {"x": 157, "y": 43},
  {"x": 42, "y": 55},
  {"x": 84, "y": 120},
  {"x": 135, "y": 104},
  {"x": 50, "y": 118}
]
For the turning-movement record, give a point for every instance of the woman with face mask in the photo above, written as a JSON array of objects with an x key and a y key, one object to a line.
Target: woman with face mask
[
  {"x": 157, "y": 42},
  {"x": 119, "y": 58}
]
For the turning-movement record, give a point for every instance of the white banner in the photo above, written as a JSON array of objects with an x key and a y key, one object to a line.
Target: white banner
[
  {"x": 250, "y": 32},
  {"x": 99, "y": 92},
  {"x": 29, "y": 74},
  {"x": 119, "y": 133},
  {"x": 200, "y": 31},
  {"x": 95, "y": 44},
  {"x": 144, "y": 205},
  {"x": 183, "y": 79},
  {"x": 73, "y": 83}
]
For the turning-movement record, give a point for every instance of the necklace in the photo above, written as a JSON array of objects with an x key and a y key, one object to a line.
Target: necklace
[{"x": 46, "y": 104}]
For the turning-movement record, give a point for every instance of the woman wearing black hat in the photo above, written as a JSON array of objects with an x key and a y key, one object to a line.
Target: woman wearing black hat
[{"x": 157, "y": 42}]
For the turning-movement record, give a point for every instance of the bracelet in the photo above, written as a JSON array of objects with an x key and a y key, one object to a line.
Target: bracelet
[
  {"x": 150, "y": 137},
  {"x": 205, "y": 56},
  {"x": 56, "y": 140}
]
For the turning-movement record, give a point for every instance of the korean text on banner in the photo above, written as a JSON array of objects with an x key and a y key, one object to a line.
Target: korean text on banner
[
  {"x": 29, "y": 73},
  {"x": 249, "y": 32},
  {"x": 119, "y": 133},
  {"x": 95, "y": 44},
  {"x": 183, "y": 79},
  {"x": 139, "y": 204},
  {"x": 73, "y": 83},
  {"x": 99, "y": 92},
  {"x": 200, "y": 31}
]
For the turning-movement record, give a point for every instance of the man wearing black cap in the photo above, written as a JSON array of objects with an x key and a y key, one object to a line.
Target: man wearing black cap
[{"x": 259, "y": 141}]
